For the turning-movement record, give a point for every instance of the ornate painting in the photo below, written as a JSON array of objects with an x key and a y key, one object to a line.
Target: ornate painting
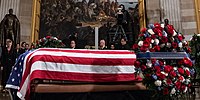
[{"x": 64, "y": 18}]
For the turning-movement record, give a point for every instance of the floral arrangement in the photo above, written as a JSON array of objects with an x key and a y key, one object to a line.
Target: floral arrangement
[
  {"x": 161, "y": 39},
  {"x": 49, "y": 42},
  {"x": 167, "y": 77}
]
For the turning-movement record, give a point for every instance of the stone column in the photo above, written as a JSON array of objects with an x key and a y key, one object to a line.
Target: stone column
[{"x": 26, "y": 19}]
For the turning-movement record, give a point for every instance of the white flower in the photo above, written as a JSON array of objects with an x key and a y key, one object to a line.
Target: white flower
[
  {"x": 180, "y": 45},
  {"x": 156, "y": 41},
  {"x": 186, "y": 88},
  {"x": 166, "y": 74},
  {"x": 173, "y": 91},
  {"x": 152, "y": 41},
  {"x": 174, "y": 33},
  {"x": 149, "y": 64},
  {"x": 186, "y": 68},
  {"x": 168, "y": 45},
  {"x": 162, "y": 25},
  {"x": 175, "y": 68},
  {"x": 162, "y": 45},
  {"x": 150, "y": 31},
  {"x": 55, "y": 38},
  {"x": 140, "y": 43},
  {"x": 164, "y": 34},
  {"x": 150, "y": 46},
  {"x": 158, "y": 83}
]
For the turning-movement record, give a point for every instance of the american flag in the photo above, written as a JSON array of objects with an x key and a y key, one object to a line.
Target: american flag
[
  {"x": 16, "y": 73},
  {"x": 74, "y": 65}
]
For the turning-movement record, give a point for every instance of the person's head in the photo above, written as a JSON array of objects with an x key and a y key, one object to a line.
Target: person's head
[
  {"x": 123, "y": 41},
  {"x": 23, "y": 44},
  {"x": 17, "y": 46},
  {"x": 102, "y": 43},
  {"x": 9, "y": 42},
  {"x": 72, "y": 44},
  {"x": 122, "y": 6},
  {"x": 166, "y": 21},
  {"x": 10, "y": 11},
  {"x": 27, "y": 46},
  {"x": 112, "y": 46}
]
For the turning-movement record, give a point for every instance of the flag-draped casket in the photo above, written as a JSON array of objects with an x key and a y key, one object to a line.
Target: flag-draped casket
[{"x": 87, "y": 66}]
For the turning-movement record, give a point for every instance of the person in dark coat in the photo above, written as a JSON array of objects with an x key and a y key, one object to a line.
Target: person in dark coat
[
  {"x": 123, "y": 45},
  {"x": 7, "y": 60}
]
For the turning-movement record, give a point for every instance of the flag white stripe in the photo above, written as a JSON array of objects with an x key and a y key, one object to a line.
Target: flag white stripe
[
  {"x": 25, "y": 59},
  {"x": 79, "y": 68},
  {"x": 81, "y": 49},
  {"x": 84, "y": 55},
  {"x": 21, "y": 94},
  {"x": 12, "y": 86}
]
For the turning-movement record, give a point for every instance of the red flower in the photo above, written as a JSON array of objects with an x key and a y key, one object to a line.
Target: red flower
[
  {"x": 164, "y": 39},
  {"x": 143, "y": 30},
  {"x": 181, "y": 78},
  {"x": 135, "y": 46},
  {"x": 189, "y": 50},
  {"x": 174, "y": 44},
  {"x": 157, "y": 25},
  {"x": 143, "y": 49},
  {"x": 167, "y": 68},
  {"x": 169, "y": 81},
  {"x": 143, "y": 67},
  {"x": 160, "y": 33},
  {"x": 181, "y": 71},
  {"x": 153, "y": 61},
  {"x": 141, "y": 35},
  {"x": 173, "y": 74},
  {"x": 161, "y": 63},
  {"x": 48, "y": 37},
  {"x": 187, "y": 72},
  {"x": 161, "y": 76},
  {"x": 165, "y": 91},
  {"x": 183, "y": 87},
  {"x": 157, "y": 68},
  {"x": 153, "y": 36},
  {"x": 137, "y": 64},
  {"x": 170, "y": 30},
  {"x": 148, "y": 40},
  {"x": 146, "y": 44},
  {"x": 187, "y": 62},
  {"x": 152, "y": 50},
  {"x": 157, "y": 48},
  {"x": 180, "y": 37},
  {"x": 178, "y": 85}
]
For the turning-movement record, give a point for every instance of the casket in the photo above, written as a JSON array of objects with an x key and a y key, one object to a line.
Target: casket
[{"x": 50, "y": 70}]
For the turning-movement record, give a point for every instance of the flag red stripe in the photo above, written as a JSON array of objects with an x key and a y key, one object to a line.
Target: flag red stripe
[
  {"x": 88, "y": 51},
  {"x": 86, "y": 77},
  {"x": 26, "y": 70},
  {"x": 83, "y": 60}
]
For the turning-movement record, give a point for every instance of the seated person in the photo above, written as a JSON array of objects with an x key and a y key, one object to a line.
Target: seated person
[
  {"x": 102, "y": 44},
  {"x": 123, "y": 45},
  {"x": 72, "y": 44}
]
